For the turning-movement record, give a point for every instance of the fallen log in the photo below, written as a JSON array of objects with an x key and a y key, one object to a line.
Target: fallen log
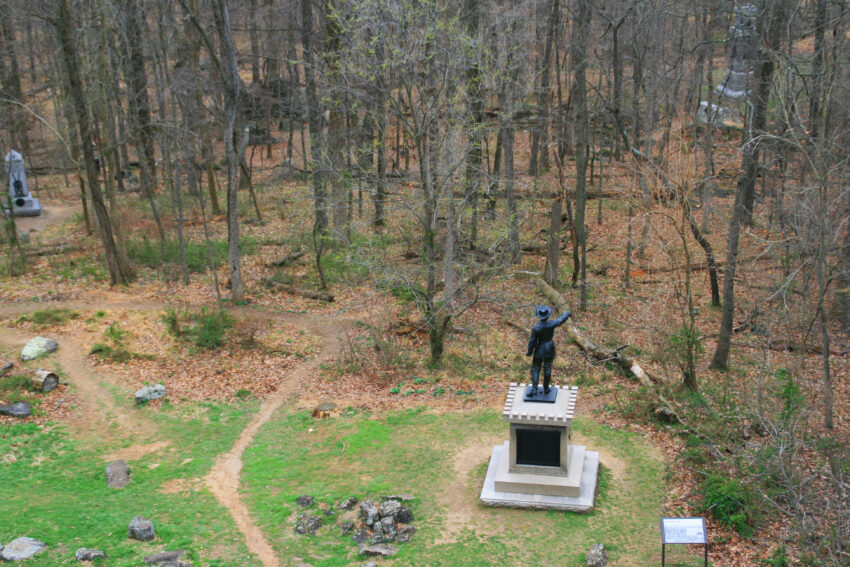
[
  {"x": 45, "y": 380},
  {"x": 53, "y": 250},
  {"x": 624, "y": 361},
  {"x": 782, "y": 345},
  {"x": 309, "y": 294},
  {"x": 286, "y": 260}
]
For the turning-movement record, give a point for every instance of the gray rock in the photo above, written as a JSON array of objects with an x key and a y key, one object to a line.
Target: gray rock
[
  {"x": 389, "y": 528},
  {"x": 390, "y": 509},
  {"x": 369, "y": 513},
  {"x": 84, "y": 554},
  {"x": 148, "y": 393},
  {"x": 377, "y": 539},
  {"x": 597, "y": 556},
  {"x": 6, "y": 367},
  {"x": 378, "y": 550},
  {"x": 141, "y": 529},
  {"x": 37, "y": 347},
  {"x": 163, "y": 557},
  {"x": 404, "y": 533},
  {"x": 361, "y": 536},
  {"x": 370, "y": 564},
  {"x": 305, "y": 501},
  {"x": 348, "y": 503},
  {"x": 22, "y": 548},
  {"x": 117, "y": 474},
  {"x": 308, "y": 524},
  {"x": 404, "y": 516},
  {"x": 346, "y": 527},
  {"x": 18, "y": 409}
]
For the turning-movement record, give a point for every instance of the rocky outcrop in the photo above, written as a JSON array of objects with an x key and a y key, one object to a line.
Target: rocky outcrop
[
  {"x": 84, "y": 554},
  {"x": 148, "y": 393},
  {"x": 117, "y": 474},
  {"x": 18, "y": 409},
  {"x": 141, "y": 529},
  {"x": 22, "y": 548},
  {"x": 38, "y": 346},
  {"x": 597, "y": 556}
]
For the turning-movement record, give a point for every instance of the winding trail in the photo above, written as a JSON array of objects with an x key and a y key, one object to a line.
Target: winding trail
[
  {"x": 98, "y": 408},
  {"x": 223, "y": 478}
]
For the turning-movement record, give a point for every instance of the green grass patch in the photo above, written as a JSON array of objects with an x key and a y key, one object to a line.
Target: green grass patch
[
  {"x": 114, "y": 347},
  {"x": 54, "y": 489},
  {"x": 154, "y": 254},
  {"x": 415, "y": 451},
  {"x": 205, "y": 330},
  {"x": 85, "y": 268},
  {"x": 18, "y": 388},
  {"x": 49, "y": 317}
]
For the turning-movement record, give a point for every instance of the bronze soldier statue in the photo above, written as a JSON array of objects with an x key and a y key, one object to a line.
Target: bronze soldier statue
[{"x": 542, "y": 347}]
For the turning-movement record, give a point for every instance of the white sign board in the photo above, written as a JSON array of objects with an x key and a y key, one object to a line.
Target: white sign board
[{"x": 683, "y": 530}]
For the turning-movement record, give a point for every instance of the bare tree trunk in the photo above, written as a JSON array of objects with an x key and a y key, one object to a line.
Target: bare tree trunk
[
  {"x": 314, "y": 116},
  {"x": 709, "y": 253},
  {"x": 721, "y": 354},
  {"x": 475, "y": 92},
  {"x": 11, "y": 81},
  {"x": 336, "y": 129},
  {"x": 582, "y": 23},
  {"x": 235, "y": 140},
  {"x": 540, "y": 135},
  {"x": 815, "y": 103},
  {"x": 506, "y": 115},
  {"x": 255, "y": 41},
  {"x": 138, "y": 83},
  {"x": 550, "y": 273},
  {"x": 708, "y": 145},
  {"x": 120, "y": 270}
]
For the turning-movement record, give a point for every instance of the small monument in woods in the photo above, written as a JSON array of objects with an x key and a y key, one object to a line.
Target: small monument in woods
[
  {"x": 735, "y": 87},
  {"x": 742, "y": 55},
  {"x": 23, "y": 203},
  {"x": 538, "y": 467}
]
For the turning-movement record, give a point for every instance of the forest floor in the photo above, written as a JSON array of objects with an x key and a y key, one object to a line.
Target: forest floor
[{"x": 239, "y": 412}]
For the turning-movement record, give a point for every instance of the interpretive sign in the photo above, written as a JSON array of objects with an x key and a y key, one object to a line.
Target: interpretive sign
[{"x": 685, "y": 531}]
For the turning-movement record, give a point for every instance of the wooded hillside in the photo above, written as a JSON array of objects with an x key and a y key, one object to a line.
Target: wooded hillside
[{"x": 674, "y": 173}]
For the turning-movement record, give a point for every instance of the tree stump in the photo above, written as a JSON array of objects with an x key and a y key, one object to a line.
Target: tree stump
[
  {"x": 324, "y": 410},
  {"x": 45, "y": 380}
]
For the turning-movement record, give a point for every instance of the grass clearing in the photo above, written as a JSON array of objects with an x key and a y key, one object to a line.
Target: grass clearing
[
  {"x": 429, "y": 456},
  {"x": 49, "y": 317},
  {"x": 154, "y": 254},
  {"x": 54, "y": 488}
]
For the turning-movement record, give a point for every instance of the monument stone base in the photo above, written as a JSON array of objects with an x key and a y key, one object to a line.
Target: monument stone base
[
  {"x": 537, "y": 490},
  {"x": 538, "y": 467},
  {"x": 26, "y": 207}
]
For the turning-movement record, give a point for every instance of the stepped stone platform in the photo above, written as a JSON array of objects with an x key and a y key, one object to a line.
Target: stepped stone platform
[{"x": 538, "y": 467}]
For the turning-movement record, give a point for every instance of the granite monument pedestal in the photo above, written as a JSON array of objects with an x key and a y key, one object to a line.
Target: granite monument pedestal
[
  {"x": 538, "y": 467},
  {"x": 23, "y": 203}
]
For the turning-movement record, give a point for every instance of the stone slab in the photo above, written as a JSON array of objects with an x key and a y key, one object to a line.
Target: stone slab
[
  {"x": 556, "y": 484},
  {"x": 517, "y": 410},
  {"x": 583, "y": 503},
  {"x": 26, "y": 208},
  {"x": 539, "y": 396}
]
